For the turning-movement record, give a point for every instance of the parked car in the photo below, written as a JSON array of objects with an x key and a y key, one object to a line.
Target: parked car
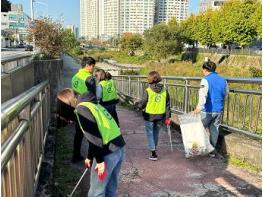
[
  {"x": 29, "y": 48},
  {"x": 21, "y": 45}
]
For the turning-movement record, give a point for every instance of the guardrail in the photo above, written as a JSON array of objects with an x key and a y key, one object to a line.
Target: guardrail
[
  {"x": 11, "y": 62},
  {"x": 251, "y": 52},
  {"x": 242, "y": 111},
  {"x": 24, "y": 123}
]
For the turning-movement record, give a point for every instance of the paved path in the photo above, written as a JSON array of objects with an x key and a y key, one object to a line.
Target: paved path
[{"x": 172, "y": 174}]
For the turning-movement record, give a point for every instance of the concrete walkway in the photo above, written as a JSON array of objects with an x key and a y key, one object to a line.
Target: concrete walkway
[{"x": 172, "y": 174}]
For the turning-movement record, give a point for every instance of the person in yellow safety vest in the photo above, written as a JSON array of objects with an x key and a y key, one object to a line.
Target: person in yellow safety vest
[
  {"x": 80, "y": 82},
  {"x": 156, "y": 110},
  {"x": 106, "y": 146},
  {"x": 106, "y": 93}
]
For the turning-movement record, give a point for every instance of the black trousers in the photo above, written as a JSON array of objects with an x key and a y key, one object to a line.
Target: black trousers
[
  {"x": 112, "y": 110},
  {"x": 77, "y": 140}
]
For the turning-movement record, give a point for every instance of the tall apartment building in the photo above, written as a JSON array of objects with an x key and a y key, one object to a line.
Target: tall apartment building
[
  {"x": 210, "y": 4},
  {"x": 83, "y": 18},
  {"x": 136, "y": 16},
  {"x": 167, "y": 9},
  {"x": 111, "y": 19},
  {"x": 104, "y": 19}
]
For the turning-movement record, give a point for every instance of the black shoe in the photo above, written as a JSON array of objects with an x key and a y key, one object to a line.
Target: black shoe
[
  {"x": 154, "y": 156},
  {"x": 77, "y": 159},
  {"x": 212, "y": 154}
]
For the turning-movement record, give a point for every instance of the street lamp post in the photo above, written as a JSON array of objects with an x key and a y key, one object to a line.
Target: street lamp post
[{"x": 32, "y": 21}]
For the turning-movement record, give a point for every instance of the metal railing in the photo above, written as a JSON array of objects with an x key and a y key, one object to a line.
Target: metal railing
[
  {"x": 251, "y": 52},
  {"x": 242, "y": 112},
  {"x": 24, "y": 125}
]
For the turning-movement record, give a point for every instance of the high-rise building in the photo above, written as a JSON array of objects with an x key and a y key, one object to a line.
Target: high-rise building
[
  {"x": 83, "y": 18},
  {"x": 16, "y": 21},
  {"x": 111, "y": 19},
  {"x": 136, "y": 16},
  {"x": 210, "y": 4},
  {"x": 105, "y": 19},
  {"x": 167, "y": 9}
]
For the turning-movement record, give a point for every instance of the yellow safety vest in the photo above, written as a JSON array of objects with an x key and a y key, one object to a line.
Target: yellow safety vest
[
  {"x": 107, "y": 126},
  {"x": 78, "y": 81},
  {"x": 108, "y": 90},
  {"x": 156, "y": 102}
]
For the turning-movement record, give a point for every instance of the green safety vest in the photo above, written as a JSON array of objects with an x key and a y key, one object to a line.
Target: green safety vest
[
  {"x": 156, "y": 102},
  {"x": 78, "y": 81},
  {"x": 108, "y": 90},
  {"x": 107, "y": 126}
]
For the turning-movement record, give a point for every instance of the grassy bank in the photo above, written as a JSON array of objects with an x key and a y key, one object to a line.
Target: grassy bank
[
  {"x": 65, "y": 176},
  {"x": 234, "y": 66}
]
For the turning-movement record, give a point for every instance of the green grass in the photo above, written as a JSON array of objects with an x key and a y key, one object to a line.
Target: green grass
[
  {"x": 242, "y": 164},
  {"x": 65, "y": 176}
]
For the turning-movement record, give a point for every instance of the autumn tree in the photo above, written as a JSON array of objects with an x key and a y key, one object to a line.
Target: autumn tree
[
  {"x": 130, "y": 43},
  {"x": 48, "y": 37}
]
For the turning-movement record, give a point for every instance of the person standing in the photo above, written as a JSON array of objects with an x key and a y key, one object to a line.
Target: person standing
[
  {"x": 80, "y": 83},
  {"x": 156, "y": 110},
  {"x": 106, "y": 146},
  {"x": 211, "y": 101},
  {"x": 106, "y": 93}
]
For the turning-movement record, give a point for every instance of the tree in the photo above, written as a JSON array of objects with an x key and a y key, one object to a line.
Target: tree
[
  {"x": 256, "y": 19},
  {"x": 48, "y": 37},
  {"x": 5, "y": 6},
  {"x": 188, "y": 30},
  {"x": 236, "y": 21},
  {"x": 173, "y": 22},
  {"x": 162, "y": 41},
  {"x": 69, "y": 40},
  {"x": 130, "y": 43},
  {"x": 203, "y": 29}
]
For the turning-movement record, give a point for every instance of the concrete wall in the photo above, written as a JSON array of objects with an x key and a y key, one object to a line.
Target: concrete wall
[
  {"x": 22, "y": 78},
  {"x": 16, "y": 81},
  {"x": 50, "y": 70}
]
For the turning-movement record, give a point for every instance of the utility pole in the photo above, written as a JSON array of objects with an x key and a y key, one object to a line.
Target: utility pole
[{"x": 33, "y": 23}]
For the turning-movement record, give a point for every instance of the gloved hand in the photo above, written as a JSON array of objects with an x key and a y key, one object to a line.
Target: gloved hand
[
  {"x": 101, "y": 169},
  {"x": 168, "y": 121},
  {"x": 87, "y": 163}
]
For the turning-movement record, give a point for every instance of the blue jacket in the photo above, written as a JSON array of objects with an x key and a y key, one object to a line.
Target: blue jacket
[{"x": 216, "y": 93}]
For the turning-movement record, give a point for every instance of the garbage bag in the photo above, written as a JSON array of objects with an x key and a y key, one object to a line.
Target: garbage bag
[{"x": 195, "y": 137}]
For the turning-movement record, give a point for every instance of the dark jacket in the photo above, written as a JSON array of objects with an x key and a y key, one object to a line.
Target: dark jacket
[
  {"x": 91, "y": 132},
  {"x": 156, "y": 87}
]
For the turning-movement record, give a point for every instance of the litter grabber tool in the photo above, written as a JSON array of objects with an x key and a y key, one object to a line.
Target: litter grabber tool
[
  {"x": 168, "y": 125},
  {"x": 86, "y": 170},
  {"x": 170, "y": 136}
]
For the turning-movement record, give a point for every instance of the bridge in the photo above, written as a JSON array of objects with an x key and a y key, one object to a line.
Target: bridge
[{"x": 29, "y": 135}]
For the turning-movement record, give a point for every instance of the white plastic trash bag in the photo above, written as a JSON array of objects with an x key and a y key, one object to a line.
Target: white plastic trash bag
[{"x": 195, "y": 137}]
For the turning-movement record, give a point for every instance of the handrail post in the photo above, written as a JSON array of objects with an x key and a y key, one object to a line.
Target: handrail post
[
  {"x": 138, "y": 91},
  {"x": 129, "y": 86},
  {"x": 186, "y": 95}
]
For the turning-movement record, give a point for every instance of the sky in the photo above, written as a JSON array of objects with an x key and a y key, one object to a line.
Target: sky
[{"x": 69, "y": 9}]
